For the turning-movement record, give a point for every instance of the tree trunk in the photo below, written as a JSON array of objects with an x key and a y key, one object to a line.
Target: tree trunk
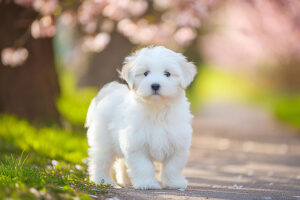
[
  {"x": 30, "y": 90},
  {"x": 103, "y": 66}
]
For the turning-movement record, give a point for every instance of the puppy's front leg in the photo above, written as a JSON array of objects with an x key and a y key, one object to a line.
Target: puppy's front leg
[
  {"x": 171, "y": 174},
  {"x": 141, "y": 171}
]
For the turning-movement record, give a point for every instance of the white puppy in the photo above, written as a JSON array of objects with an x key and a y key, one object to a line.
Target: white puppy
[{"x": 149, "y": 121}]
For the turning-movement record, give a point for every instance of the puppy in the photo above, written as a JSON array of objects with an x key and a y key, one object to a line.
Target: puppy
[{"x": 146, "y": 121}]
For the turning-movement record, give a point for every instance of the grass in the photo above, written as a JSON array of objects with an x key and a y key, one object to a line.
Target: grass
[
  {"x": 48, "y": 162},
  {"x": 53, "y": 143},
  {"x": 213, "y": 84},
  {"x": 19, "y": 180},
  {"x": 73, "y": 102},
  {"x": 54, "y": 165},
  {"x": 287, "y": 109}
]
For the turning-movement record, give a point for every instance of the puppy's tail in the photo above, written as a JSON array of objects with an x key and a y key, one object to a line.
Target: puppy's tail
[{"x": 105, "y": 91}]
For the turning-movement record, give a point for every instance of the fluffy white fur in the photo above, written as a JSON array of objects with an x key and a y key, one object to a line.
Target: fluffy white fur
[{"x": 130, "y": 127}]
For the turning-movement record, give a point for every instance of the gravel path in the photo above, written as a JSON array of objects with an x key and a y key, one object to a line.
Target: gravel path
[{"x": 237, "y": 153}]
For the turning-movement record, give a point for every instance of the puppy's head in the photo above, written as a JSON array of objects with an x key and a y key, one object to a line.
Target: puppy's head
[{"x": 157, "y": 72}]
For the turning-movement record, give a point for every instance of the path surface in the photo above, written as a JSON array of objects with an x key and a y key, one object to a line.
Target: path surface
[{"x": 237, "y": 153}]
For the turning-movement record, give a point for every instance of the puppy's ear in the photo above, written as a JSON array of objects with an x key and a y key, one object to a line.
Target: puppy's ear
[
  {"x": 188, "y": 69},
  {"x": 125, "y": 72}
]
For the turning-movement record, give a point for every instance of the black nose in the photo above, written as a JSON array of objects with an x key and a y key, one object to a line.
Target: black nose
[{"x": 155, "y": 86}]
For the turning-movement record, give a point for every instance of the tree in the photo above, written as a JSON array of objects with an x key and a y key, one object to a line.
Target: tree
[
  {"x": 28, "y": 81},
  {"x": 29, "y": 90},
  {"x": 110, "y": 58}
]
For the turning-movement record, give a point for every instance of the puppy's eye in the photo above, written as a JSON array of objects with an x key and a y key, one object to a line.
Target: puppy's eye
[
  {"x": 146, "y": 73},
  {"x": 167, "y": 74}
]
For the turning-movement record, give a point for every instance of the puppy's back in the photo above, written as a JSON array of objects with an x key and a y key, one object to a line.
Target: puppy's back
[{"x": 113, "y": 88}]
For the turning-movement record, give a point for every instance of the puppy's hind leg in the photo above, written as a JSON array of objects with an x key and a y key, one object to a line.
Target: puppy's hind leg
[
  {"x": 101, "y": 154},
  {"x": 100, "y": 163},
  {"x": 121, "y": 173}
]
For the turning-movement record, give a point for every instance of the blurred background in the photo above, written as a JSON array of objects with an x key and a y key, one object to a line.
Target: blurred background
[{"x": 56, "y": 55}]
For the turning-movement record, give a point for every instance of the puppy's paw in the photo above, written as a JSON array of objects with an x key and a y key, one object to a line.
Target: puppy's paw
[
  {"x": 179, "y": 183},
  {"x": 123, "y": 183},
  {"x": 145, "y": 184}
]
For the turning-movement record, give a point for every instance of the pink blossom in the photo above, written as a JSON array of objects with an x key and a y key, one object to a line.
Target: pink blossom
[
  {"x": 25, "y": 3},
  {"x": 95, "y": 43},
  {"x": 114, "y": 10},
  {"x": 43, "y": 27},
  {"x": 256, "y": 33},
  {"x": 90, "y": 9},
  {"x": 187, "y": 18},
  {"x": 68, "y": 19},
  {"x": 184, "y": 36},
  {"x": 127, "y": 27},
  {"x": 137, "y": 8},
  {"x": 85, "y": 12},
  {"x": 14, "y": 57},
  {"x": 90, "y": 27},
  {"x": 118, "y": 10},
  {"x": 45, "y": 7},
  {"x": 161, "y": 5},
  {"x": 176, "y": 26}
]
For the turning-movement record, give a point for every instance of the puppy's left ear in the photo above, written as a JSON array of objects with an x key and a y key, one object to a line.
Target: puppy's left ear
[
  {"x": 189, "y": 71},
  {"x": 125, "y": 72}
]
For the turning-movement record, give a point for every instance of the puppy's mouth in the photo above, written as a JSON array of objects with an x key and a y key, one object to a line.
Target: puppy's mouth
[
  {"x": 155, "y": 93},
  {"x": 156, "y": 96}
]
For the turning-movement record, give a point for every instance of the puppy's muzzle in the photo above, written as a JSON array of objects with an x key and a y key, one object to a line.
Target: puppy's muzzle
[{"x": 155, "y": 87}]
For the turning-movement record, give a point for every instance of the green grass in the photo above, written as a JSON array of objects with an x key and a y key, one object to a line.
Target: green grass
[
  {"x": 212, "y": 84},
  {"x": 73, "y": 102},
  {"x": 19, "y": 180},
  {"x": 287, "y": 109},
  {"x": 53, "y": 164},
  {"x": 48, "y": 142},
  {"x": 48, "y": 162}
]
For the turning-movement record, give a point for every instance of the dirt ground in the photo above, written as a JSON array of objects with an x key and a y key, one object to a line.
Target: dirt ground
[{"x": 238, "y": 152}]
